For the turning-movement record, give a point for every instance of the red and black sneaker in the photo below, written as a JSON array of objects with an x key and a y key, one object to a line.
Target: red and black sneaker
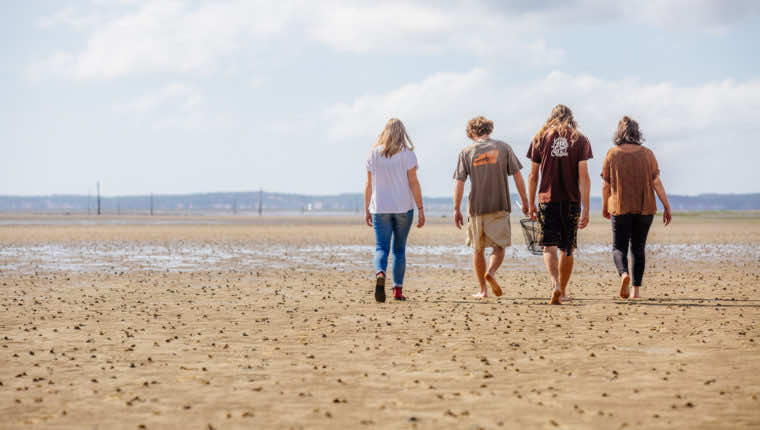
[
  {"x": 380, "y": 288},
  {"x": 397, "y": 294}
]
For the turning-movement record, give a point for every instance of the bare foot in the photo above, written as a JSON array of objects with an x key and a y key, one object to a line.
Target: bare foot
[
  {"x": 563, "y": 298},
  {"x": 556, "y": 298},
  {"x": 636, "y": 293},
  {"x": 480, "y": 295},
  {"x": 494, "y": 285},
  {"x": 624, "y": 281}
]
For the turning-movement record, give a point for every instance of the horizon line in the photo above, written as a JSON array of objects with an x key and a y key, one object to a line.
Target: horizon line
[{"x": 295, "y": 193}]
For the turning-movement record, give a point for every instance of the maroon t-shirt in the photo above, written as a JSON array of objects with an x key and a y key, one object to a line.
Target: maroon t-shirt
[{"x": 559, "y": 157}]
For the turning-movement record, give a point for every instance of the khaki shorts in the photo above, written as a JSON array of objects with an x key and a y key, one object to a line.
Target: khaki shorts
[{"x": 489, "y": 230}]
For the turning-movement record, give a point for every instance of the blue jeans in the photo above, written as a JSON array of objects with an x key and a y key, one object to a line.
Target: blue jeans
[{"x": 391, "y": 231}]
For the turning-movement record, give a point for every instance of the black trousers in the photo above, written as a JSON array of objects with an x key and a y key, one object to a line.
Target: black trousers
[{"x": 630, "y": 230}]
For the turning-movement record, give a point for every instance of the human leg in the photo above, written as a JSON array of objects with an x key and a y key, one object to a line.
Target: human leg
[
  {"x": 569, "y": 214},
  {"x": 496, "y": 235},
  {"x": 621, "y": 238},
  {"x": 639, "y": 233},
  {"x": 550, "y": 224},
  {"x": 565, "y": 270},
  {"x": 494, "y": 261},
  {"x": 383, "y": 231},
  {"x": 402, "y": 223},
  {"x": 479, "y": 266},
  {"x": 476, "y": 239},
  {"x": 552, "y": 267}
]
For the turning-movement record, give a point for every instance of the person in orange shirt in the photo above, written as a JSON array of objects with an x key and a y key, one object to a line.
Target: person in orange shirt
[{"x": 630, "y": 178}]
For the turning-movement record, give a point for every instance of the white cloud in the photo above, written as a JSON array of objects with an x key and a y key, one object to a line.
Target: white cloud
[
  {"x": 175, "y": 36},
  {"x": 689, "y": 127},
  {"x": 168, "y": 36},
  {"x": 433, "y": 97},
  {"x": 710, "y": 14},
  {"x": 176, "y": 106},
  {"x": 404, "y": 27},
  {"x": 181, "y": 97},
  {"x": 71, "y": 18},
  {"x": 706, "y": 15}
]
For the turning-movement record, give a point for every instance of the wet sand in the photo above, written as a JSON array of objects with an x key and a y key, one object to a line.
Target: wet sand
[{"x": 191, "y": 323}]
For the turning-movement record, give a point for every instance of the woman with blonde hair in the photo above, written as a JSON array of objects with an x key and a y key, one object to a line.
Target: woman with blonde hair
[
  {"x": 390, "y": 195},
  {"x": 630, "y": 178}
]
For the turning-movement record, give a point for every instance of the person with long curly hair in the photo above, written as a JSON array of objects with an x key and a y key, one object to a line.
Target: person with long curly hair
[
  {"x": 559, "y": 155},
  {"x": 630, "y": 179}
]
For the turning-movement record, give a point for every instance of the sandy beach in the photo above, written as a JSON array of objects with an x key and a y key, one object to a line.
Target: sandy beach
[{"x": 247, "y": 322}]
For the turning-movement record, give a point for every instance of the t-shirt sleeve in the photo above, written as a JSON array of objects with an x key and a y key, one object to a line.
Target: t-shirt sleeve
[
  {"x": 462, "y": 170},
  {"x": 411, "y": 160},
  {"x": 534, "y": 151},
  {"x": 653, "y": 166},
  {"x": 606, "y": 167},
  {"x": 513, "y": 164},
  {"x": 370, "y": 163},
  {"x": 585, "y": 153}
]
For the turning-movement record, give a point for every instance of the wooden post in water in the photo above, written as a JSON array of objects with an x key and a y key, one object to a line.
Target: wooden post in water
[
  {"x": 151, "y": 204},
  {"x": 98, "y": 186},
  {"x": 261, "y": 200}
]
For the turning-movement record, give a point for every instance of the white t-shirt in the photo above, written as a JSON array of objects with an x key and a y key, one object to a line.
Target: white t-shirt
[{"x": 390, "y": 185}]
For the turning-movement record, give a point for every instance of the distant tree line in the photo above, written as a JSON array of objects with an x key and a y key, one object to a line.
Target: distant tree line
[{"x": 248, "y": 203}]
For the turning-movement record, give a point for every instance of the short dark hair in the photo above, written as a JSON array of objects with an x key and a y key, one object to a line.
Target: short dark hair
[
  {"x": 628, "y": 132},
  {"x": 479, "y": 126}
]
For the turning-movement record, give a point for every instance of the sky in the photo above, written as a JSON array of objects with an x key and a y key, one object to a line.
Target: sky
[{"x": 181, "y": 96}]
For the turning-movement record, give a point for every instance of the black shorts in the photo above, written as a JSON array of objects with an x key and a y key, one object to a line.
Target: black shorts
[{"x": 558, "y": 225}]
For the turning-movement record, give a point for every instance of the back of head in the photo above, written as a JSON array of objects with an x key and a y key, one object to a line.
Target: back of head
[
  {"x": 393, "y": 138},
  {"x": 628, "y": 132},
  {"x": 479, "y": 126},
  {"x": 560, "y": 120}
]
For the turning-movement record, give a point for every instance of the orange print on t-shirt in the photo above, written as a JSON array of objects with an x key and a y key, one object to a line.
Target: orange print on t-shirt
[{"x": 490, "y": 157}]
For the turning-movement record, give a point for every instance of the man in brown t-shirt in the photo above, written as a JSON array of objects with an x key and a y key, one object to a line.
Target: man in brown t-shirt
[
  {"x": 488, "y": 163},
  {"x": 559, "y": 154}
]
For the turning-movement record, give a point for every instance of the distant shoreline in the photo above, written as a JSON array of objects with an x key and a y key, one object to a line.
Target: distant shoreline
[{"x": 250, "y": 203}]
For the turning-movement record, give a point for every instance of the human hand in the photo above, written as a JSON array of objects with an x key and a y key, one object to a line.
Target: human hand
[
  {"x": 605, "y": 212},
  {"x": 525, "y": 208},
  {"x": 533, "y": 212},
  {"x": 368, "y": 218},
  {"x": 666, "y": 216},
  {"x": 584, "y": 219},
  {"x": 421, "y": 218},
  {"x": 458, "y": 219}
]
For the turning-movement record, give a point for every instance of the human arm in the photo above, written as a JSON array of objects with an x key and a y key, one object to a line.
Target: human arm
[
  {"x": 660, "y": 190},
  {"x": 367, "y": 198},
  {"x": 605, "y": 199},
  {"x": 520, "y": 185},
  {"x": 458, "y": 194},
  {"x": 414, "y": 185},
  {"x": 585, "y": 185},
  {"x": 532, "y": 187}
]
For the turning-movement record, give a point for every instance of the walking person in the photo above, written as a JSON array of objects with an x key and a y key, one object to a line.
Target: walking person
[
  {"x": 488, "y": 163},
  {"x": 559, "y": 154},
  {"x": 630, "y": 179},
  {"x": 390, "y": 195}
]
